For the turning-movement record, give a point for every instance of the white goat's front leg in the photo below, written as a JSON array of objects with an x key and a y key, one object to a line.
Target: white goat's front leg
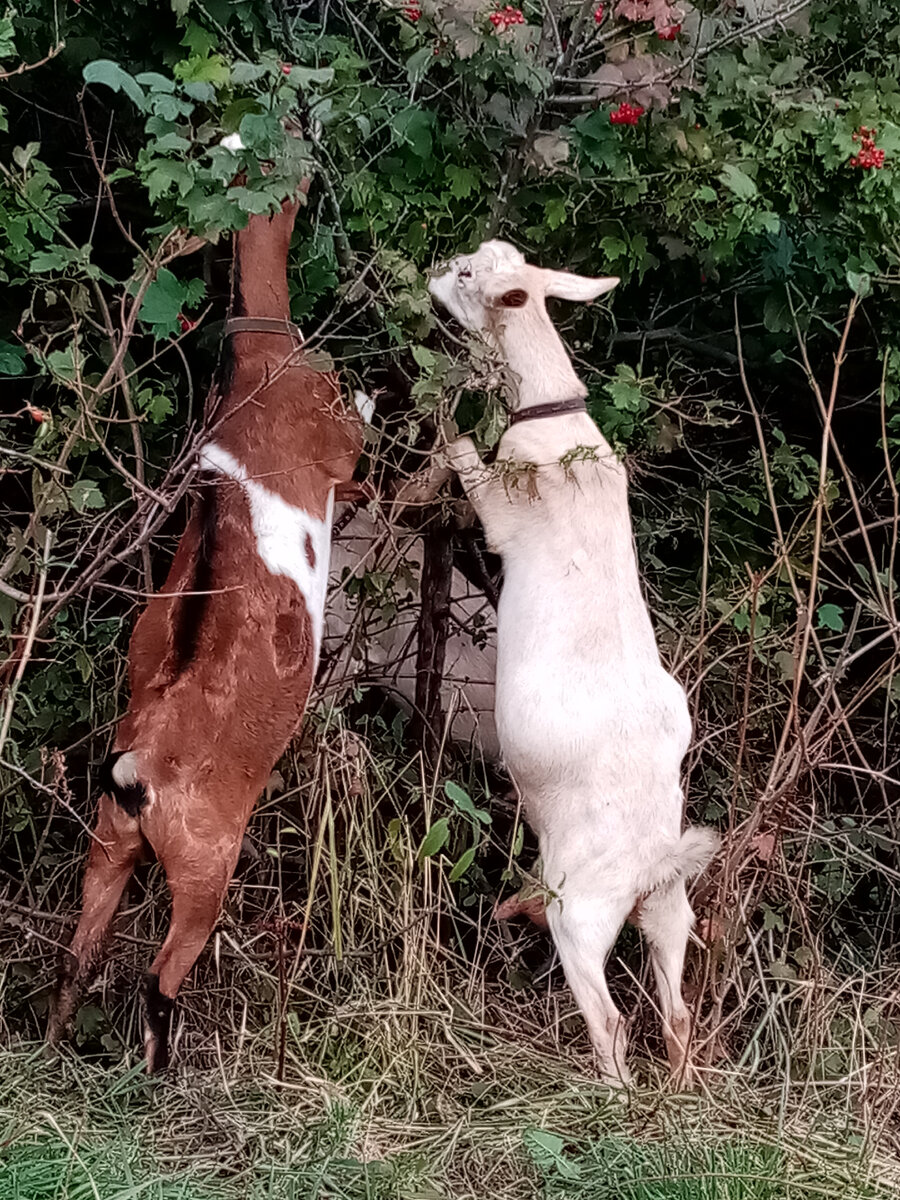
[{"x": 483, "y": 488}]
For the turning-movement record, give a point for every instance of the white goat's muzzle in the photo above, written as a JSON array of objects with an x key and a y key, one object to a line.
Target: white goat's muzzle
[{"x": 446, "y": 289}]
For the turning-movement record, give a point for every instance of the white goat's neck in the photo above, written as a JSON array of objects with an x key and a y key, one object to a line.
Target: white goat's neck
[{"x": 541, "y": 368}]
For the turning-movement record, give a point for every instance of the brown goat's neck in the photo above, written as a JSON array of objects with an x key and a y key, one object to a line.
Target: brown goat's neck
[{"x": 259, "y": 278}]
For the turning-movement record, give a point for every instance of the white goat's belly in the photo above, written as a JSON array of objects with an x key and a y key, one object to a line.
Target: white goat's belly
[{"x": 593, "y": 735}]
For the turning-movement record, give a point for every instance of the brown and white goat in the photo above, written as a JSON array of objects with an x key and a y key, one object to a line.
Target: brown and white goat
[{"x": 222, "y": 658}]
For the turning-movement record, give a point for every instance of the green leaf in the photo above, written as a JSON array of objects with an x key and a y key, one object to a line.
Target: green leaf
[
  {"x": 518, "y": 840},
  {"x": 738, "y": 181},
  {"x": 304, "y": 76},
  {"x": 7, "y": 37},
  {"x": 777, "y": 313},
  {"x": 62, "y": 363},
  {"x": 435, "y": 839},
  {"x": 465, "y": 860},
  {"x": 418, "y": 64},
  {"x": 157, "y": 405},
  {"x": 12, "y": 359},
  {"x": 155, "y": 82},
  {"x": 423, "y": 357},
  {"x": 860, "y": 282},
  {"x": 555, "y": 211},
  {"x": 105, "y": 71},
  {"x": 613, "y": 247},
  {"x": 245, "y": 72},
  {"x": 463, "y": 181},
  {"x": 830, "y": 616},
  {"x": 84, "y": 663},
  {"x": 463, "y": 801},
  {"x": 55, "y": 259},
  {"x": 203, "y": 68},
  {"x": 162, "y": 173},
  {"x": 787, "y": 71},
  {"x": 261, "y": 132},
  {"x": 85, "y": 494},
  {"x": 22, "y": 155},
  {"x": 236, "y": 111},
  {"x": 163, "y": 301},
  {"x": 546, "y": 1151},
  {"x": 171, "y": 142},
  {"x": 413, "y": 126}
]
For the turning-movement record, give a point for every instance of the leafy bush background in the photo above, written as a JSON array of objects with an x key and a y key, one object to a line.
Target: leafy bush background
[{"x": 764, "y": 482}]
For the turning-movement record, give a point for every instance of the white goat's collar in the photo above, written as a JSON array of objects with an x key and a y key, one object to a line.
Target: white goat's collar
[{"x": 554, "y": 409}]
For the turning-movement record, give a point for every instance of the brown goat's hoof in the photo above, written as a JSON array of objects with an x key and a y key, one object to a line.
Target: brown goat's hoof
[{"x": 157, "y": 1024}]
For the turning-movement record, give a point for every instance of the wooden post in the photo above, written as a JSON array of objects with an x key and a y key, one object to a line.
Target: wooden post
[{"x": 434, "y": 619}]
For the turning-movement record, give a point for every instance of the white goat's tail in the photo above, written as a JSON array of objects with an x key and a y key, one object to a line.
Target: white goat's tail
[{"x": 683, "y": 859}]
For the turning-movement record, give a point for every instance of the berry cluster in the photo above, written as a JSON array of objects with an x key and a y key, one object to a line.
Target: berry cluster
[
  {"x": 669, "y": 34},
  {"x": 504, "y": 17},
  {"x": 186, "y": 323},
  {"x": 868, "y": 155},
  {"x": 626, "y": 114},
  {"x": 412, "y": 12},
  {"x": 598, "y": 15}
]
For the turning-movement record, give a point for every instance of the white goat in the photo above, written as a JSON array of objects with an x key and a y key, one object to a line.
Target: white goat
[
  {"x": 592, "y": 727},
  {"x": 362, "y": 643}
]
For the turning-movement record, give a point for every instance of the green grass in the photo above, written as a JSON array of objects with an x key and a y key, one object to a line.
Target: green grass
[{"x": 530, "y": 1129}]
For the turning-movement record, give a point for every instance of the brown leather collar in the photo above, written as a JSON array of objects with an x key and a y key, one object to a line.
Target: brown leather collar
[
  {"x": 262, "y": 325},
  {"x": 557, "y": 408}
]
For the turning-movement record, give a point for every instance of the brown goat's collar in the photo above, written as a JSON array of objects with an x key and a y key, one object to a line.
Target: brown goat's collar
[
  {"x": 262, "y": 325},
  {"x": 557, "y": 408}
]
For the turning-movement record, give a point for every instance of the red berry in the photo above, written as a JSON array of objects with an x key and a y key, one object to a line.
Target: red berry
[
  {"x": 669, "y": 34},
  {"x": 869, "y": 155},
  {"x": 186, "y": 323},
  {"x": 626, "y": 114},
  {"x": 286, "y": 68},
  {"x": 598, "y": 15}
]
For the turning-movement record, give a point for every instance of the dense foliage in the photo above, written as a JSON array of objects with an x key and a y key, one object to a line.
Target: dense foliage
[{"x": 741, "y": 196}]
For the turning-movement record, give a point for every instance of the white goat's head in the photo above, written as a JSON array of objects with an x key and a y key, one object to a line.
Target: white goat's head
[{"x": 478, "y": 288}]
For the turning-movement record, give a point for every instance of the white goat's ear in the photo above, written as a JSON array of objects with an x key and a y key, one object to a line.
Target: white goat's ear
[
  {"x": 515, "y": 297},
  {"x": 566, "y": 286}
]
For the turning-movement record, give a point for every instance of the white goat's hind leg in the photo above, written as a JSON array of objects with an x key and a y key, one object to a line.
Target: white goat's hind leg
[
  {"x": 666, "y": 919},
  {"x": 584, "y": 931}
]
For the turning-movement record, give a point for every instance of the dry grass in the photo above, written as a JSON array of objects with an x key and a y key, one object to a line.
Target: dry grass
[{"x": 358, "y": 1028}]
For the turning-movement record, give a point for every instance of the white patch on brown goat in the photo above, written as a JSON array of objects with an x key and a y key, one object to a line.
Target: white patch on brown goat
[{"x": 283, "y": 532}]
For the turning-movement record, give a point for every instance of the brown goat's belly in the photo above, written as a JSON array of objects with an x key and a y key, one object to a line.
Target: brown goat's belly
[{"x": 214, "y": 722}]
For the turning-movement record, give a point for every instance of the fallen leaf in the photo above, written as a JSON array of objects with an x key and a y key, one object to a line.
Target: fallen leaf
[{"x": 764, "y": 846}]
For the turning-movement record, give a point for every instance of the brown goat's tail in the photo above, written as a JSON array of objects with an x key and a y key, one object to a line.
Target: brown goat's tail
[{"x": 119, "y": 779}]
